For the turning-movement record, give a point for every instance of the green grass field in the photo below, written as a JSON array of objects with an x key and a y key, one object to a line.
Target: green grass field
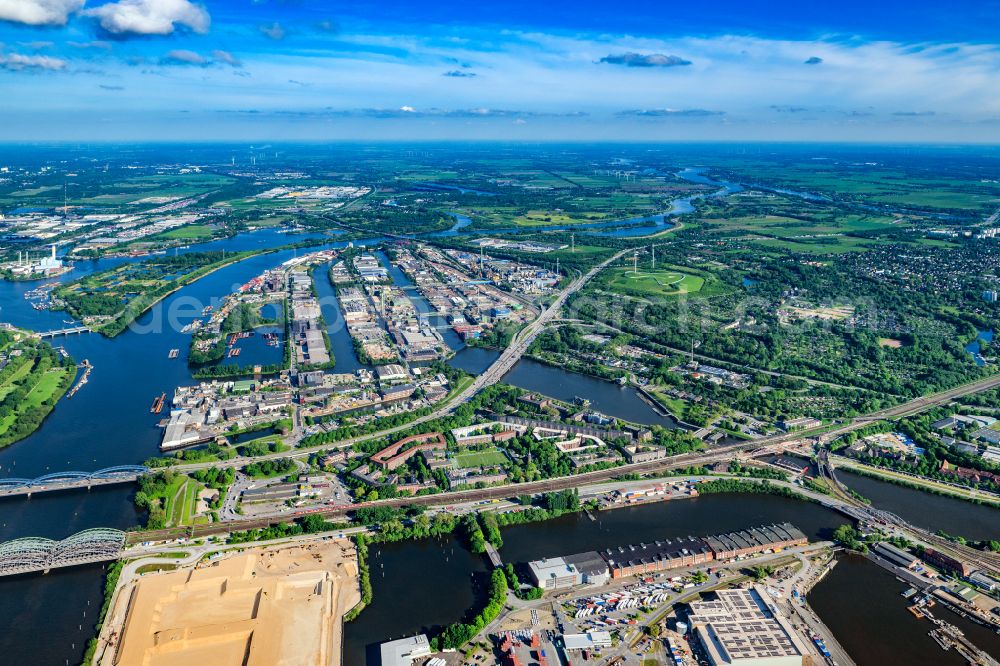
[
  {"x": 654, "y": 283},
  {"x": 676, "y": 406},
  {"x": 12, "y": 381},
  {"x": 830, "y": 245},
  {"x": 181, "y": 501},
  {"x": 189, "y": 232},
  {"x": 488, "y": 458},
  {"x": 45, "y": 387}
]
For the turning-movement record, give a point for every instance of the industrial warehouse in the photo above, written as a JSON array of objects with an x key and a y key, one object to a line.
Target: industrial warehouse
[
  {"x": 595, "y": 568},
  {"x": 740, "y": 627}
]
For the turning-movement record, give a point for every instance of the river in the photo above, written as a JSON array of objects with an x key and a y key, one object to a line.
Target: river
[
  {"x": 108, "y": 423},
  {"x": 862, "y": 605},
  {"x": 621, "y": 402},
  {"x": 949, "y": 514},
  {"x": 638, "y": 226},
  {"x": 442, "y": 579}
]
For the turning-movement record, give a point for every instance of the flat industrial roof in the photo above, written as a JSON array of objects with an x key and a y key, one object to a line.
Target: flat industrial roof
[
  {"x": 586, "y": 641},
  {"x": 404, "y": 651},
  {"x": 739, "y": 627}
]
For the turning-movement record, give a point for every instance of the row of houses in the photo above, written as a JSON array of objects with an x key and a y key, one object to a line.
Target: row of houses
[{"x": 396, "y": 454}]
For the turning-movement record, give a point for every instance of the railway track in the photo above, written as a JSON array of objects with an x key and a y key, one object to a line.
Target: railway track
[
  {"x": 982, "y": 559},
  {"x": 719, "y": 454}
]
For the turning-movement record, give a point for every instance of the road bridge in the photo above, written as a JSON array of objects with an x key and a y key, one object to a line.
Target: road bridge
[
  {"x": 34, "y": 554},
  {"x": 64, "y": 331},
  {"x": 71, "y": 480},
  {"x": 494, "y": 556}
]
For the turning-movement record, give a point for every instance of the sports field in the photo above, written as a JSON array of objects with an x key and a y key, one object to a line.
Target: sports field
[
  {"x": 487, "y": 458},
  {"x": 658, "y": 282}
]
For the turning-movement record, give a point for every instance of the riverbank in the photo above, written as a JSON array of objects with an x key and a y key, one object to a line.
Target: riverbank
[
  {"x": 32, "y": 381},
  {"x": 931, "y": 486}
]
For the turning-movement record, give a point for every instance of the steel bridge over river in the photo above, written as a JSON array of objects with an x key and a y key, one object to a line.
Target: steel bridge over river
[
  {"x": 70, "y": 480},
  {"x": 34, "y": 554}
]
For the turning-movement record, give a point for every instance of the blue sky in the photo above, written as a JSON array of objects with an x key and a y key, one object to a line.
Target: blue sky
[{"x": 643, "y": 70}]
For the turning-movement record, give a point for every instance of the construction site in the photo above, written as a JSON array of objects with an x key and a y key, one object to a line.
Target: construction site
[{"x": 280, "y": 605}]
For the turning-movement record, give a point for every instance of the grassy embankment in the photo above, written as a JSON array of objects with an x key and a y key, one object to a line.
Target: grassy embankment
[
  {"x": 119, "y": 296},
  {"x": 30, "y": 386}
]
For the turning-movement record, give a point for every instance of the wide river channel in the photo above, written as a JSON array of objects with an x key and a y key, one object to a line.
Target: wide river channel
[{"x": 419, "y": 584}]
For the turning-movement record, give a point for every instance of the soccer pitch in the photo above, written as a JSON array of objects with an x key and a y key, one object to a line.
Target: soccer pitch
[{"x": 488, "y": 458}]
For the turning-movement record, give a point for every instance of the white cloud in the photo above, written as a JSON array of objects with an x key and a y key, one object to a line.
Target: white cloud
[
  {"x": 184, "y": 57},
  {"x": 227, "y": 58},
  {"x": 18, "y": 62},
  {"x": 273, "y": 31},
  {"x": 149, "y": 17},
  {"x": 38, "y": 12}
]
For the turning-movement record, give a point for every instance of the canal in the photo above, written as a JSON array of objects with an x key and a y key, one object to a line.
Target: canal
[
  {"x": 423, "y": 307},
  {"x": 424, "y": 585},
  {"x": 621, "y": 402},
  {"x": 341, "y": 344},
  {"x": 931, "y": 512},
  {"x": 862, "y": 605}
]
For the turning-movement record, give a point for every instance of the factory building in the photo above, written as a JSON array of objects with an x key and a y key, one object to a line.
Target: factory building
[
  {"x": 645, "y": 558},
  {"x": 555, "y": 573},
  {"x": 755, "y": 540},
  {"x": 739, "y": 628},
  {"x": 404, "y": 651},
  {"x": 47, "y": 265},
  {"x": 592, "y": 567},
  {"x": 899, "y": 557}
]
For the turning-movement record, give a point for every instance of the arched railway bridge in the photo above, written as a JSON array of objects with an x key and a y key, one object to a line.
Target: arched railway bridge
[
  {"x": 34, "y": 554},
  {"x": 981, "y": 559},
  {"x": 70, "y": 480}
]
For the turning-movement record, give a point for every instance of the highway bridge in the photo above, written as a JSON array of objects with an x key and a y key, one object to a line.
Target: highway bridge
[
  {"x": 35, "y": 554},
  {"x": 71, "y": 480},
  {"x": 64, "y": 331}
]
